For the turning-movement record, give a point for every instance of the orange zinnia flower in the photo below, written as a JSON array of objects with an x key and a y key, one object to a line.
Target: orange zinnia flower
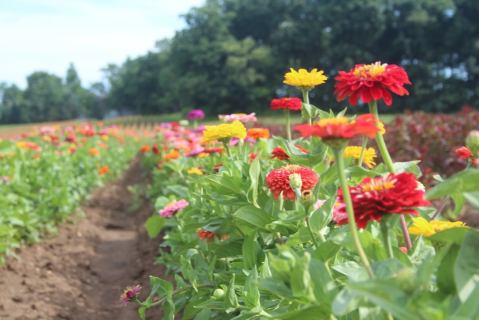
[
  {"x": 258, "y": 133},
  {"x": 94, "y": 152},
  {"x": 103, "y": 170},
  {"x": 173, "y": 154},
  {"x": 341, "y": 128},
  {"x": 144, "y": 149}
]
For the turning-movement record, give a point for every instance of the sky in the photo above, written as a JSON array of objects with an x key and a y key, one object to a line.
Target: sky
[{"x": 48, "y": 35}]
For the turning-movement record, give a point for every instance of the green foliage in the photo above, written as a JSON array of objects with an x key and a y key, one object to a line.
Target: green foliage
[
  {"x": 41, "y": 188},
  {"x": 229, "y": 56},
  {"x": 266, "y": 262}
]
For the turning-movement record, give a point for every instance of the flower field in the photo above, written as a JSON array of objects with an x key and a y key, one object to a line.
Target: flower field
[
  {"x": 45, "y": 175},
  {"x": 307, "y": 219},
  {"x": 319, "y": 224}
]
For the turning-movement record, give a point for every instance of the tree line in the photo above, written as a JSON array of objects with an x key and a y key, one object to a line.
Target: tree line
[{"x": 232, "y": 53}]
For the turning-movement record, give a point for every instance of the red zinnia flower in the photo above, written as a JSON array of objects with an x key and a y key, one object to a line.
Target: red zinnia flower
[
  {"x": 371, "y": 82},
  {"x": 252, "y": 155},
  {"x": 155, "y": 149},
  {"x": 205, "y": 234},
  {"x": 279, "y": 153},
  {"x": 375, "y": 197},
  {"x": 278, "y": 180},
  {"x": 293, "y": 104},
  {"x": 341, "y": 128},
  {"x": 463, "y": 153}
]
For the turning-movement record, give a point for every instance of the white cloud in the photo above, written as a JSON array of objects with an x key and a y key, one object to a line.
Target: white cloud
[{"x": 49, "y": 34}]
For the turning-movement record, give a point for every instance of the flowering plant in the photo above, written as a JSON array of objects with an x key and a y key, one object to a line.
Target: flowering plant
[{"x": 300, "y": 229}]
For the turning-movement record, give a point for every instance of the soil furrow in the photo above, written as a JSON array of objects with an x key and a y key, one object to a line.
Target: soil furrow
[{"x": 79, "y": 273}]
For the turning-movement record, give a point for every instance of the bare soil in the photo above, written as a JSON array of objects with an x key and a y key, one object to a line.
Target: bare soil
[{"x": 79, "y": 273}]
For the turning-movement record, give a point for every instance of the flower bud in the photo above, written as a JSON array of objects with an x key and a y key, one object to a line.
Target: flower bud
[
  {"x": 472, "y": 141},
  {"x": 295, "y": 181},
  {"x": 218, "y": 293}
]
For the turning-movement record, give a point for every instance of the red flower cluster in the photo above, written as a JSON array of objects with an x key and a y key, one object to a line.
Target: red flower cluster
[
  {"x": 293, "y": 104},
  {"x": 340, "y": 128},
  {"x": 205, "y": 234},
  {"x": 375, "y": 197},
  {"x": 278, "y": 180},
  {"x": 371, "y": 82}
]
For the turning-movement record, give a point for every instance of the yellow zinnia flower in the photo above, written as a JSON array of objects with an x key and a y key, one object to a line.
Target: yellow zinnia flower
[
  {"x": 224, "y": 131},
  {"x": 304, "y": 79},
  {"x": 422, "y": 227},
  {"x": 195, "y": 171},
  {"x": 355, "y": 151}
]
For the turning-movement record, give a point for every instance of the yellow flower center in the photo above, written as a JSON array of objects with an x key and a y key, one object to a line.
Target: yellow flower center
[
  {"x": 370, "y": 70},
  {"x": 333, "y": 121},
  {"x": 378, "y": 185}
]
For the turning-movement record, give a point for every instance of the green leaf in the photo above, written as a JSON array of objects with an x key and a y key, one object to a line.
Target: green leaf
[
  {"x": 231, "y": 297},
  {"x": 250, "y": 250},
  {"x": 466, "y": 269},
  {"x": 469, "y": 309},
  {"x": 445, "y": 272},
  {"x": 163, "y": 289},
  {"x": 326, "y": 250},
  {"x": 464, "y": 181},
  {"x": 345, "y": 302},
  {"x": 153, "y": 225},
  {"x": 251, "y": 292},
  {"x": 254, "y": 174},
  {"x": 308, "y": 313},
  {"x": 472, "y": 198},
  {"x": 253, "y": 216},
  {"x": 385, "y": 295},
  {"x": 454, "y": 235},
  {"x": 301, "y": 279}
]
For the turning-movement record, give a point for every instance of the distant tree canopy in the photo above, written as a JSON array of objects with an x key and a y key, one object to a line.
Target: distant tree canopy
[{"x": 232, "y": 54}]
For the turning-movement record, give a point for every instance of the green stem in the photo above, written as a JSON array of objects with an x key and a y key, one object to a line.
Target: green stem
[
  {"x": 386, "y": 239},
  {"x": 373, "y": 109},
  {"x": 311, "y": 234},
  {"x": 338, "y": 152},
  {"x": 226, "y": 146},
  {"x": 363, "y": 151},
  {"x": 288, "y": 125},
  {"x": 306, "y": 101},
  {"x": 388, "y": 162}
]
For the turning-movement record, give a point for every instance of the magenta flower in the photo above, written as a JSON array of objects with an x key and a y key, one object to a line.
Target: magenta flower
[
  {"x": 130, "y": 293},
  {"x": 195, "y": 114},
  {"x": 172, "y": 208}
]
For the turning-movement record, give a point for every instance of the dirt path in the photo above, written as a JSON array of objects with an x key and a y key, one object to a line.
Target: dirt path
[{"x": 80, "y": 273}]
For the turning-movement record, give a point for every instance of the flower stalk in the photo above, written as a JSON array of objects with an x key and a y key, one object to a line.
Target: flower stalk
[
  {"x": 373, "y": 109},
  {"x": 338, "y": 153},
  {"x": 386, "y": 239},
  {"x": 306, "y": 101},
  {"x": 288, "y": 124}
]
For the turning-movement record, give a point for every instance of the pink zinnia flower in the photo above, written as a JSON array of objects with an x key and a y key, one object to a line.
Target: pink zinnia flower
[
  {"x": 243, "y": 117},
  {"x": 130, "y": 293},
  {"x": 172, "y": 208}
]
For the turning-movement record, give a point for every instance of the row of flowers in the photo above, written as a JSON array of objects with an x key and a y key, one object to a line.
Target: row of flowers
[
  {"x": 46, "y": 174},
  {"x": 265, "y": 227}
]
